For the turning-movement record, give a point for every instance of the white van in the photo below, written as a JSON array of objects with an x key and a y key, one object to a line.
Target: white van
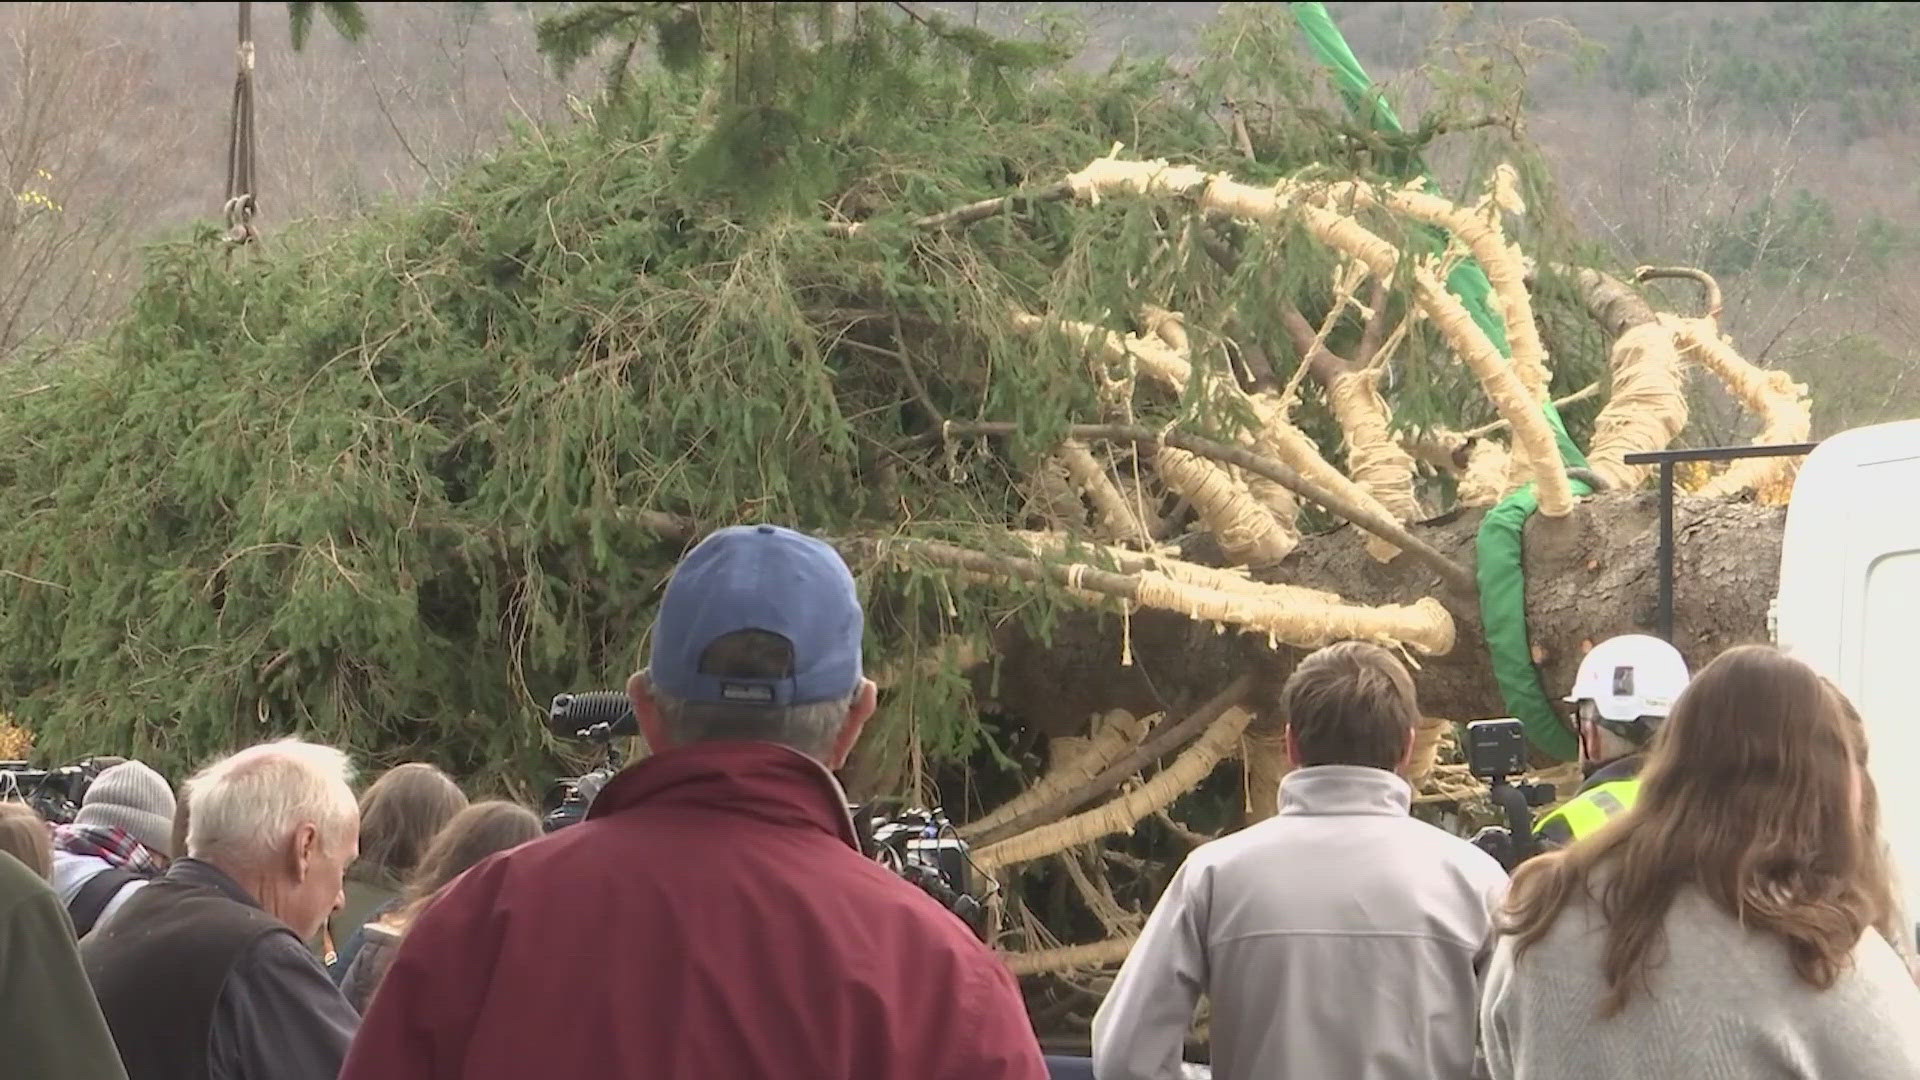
[{"x": 1849, "y": 605}]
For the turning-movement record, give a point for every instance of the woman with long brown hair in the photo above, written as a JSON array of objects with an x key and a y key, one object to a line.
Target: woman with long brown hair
[
  {"x": 474, "y": 833},
  {"x": 400, "y": 814},
  {"x": 1729, "y": 924}
]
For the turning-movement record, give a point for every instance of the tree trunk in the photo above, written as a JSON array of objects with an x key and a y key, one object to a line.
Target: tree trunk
[{"x": 1591, "y": 575}]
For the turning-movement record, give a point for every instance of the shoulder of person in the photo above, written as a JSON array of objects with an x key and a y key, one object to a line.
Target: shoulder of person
[
  {"x": 1878, "y": 965},
  {"x": 1253, "y": 842},
  {"x": 23, "y": 891},
  {"x": 1457, "y": 852},
  {"x": 277, "y": 950}
]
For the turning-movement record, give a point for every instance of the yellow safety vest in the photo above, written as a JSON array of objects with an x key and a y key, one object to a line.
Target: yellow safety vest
[{"x": 1594, "y": 807}]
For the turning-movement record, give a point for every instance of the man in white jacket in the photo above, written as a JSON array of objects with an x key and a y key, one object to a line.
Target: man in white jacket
[{"x": 1339, "y": 939}]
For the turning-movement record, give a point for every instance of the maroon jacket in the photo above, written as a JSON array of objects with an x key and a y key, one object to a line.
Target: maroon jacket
[{"x": 712, "y": 918}]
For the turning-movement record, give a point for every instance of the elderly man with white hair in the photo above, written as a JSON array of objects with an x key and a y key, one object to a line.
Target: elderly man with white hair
[{"x": 204, "y": 972}]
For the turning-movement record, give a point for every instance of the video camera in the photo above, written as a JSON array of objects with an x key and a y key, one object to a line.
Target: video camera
[
  {"x": 1496, "y": 750},
  {"x": 923, "y": 847},
  {"x": 597, "y": 717},
  {"x": 55, "y": 794},
  {"x": 919, "y": 845}
]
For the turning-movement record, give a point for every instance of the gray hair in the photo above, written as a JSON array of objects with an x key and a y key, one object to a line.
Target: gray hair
[
  {"x": 246, "y": 806},
  {"x": 810, "y": 728}
]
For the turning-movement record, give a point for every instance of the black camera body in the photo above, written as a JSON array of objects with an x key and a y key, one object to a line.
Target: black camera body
[
  {"x": 924, "y": 848},
  {"x": 55, "y": 794},
  {"x": 920, "y": 845},
  {"x": 1496, "y": 750}
]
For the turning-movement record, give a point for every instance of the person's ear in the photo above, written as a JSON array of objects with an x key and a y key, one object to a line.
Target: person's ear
[
  {"x": 1406, "y": 751},
  {"x": 865, "y": 700},
  {"x": 1293, "y": 746},
  {"x": 647, "y": 712},
  {"x": 305, "y": 847}
]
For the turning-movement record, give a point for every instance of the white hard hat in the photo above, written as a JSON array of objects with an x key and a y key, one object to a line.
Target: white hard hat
[{"x": 1630, "y": 677}]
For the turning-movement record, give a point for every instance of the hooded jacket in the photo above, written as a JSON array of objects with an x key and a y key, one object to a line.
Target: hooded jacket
[
  {"x": 712, "y": 917},
  {"x": 1339, "y": 938},
  {"x": 50, "y": 1025}
]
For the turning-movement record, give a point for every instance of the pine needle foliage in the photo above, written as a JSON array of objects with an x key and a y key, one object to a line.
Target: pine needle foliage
[
  {"x": 345, "y": 16},
  {"x": 388, "y": 483}
]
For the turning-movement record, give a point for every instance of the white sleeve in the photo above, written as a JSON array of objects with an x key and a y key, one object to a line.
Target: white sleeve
[
  {"x": 1496, "y": 1045},
  {"x": 1141, "y": 1027}
]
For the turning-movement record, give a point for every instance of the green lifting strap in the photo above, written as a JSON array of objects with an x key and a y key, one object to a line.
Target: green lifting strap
[{"x": 1500, "y": 558}]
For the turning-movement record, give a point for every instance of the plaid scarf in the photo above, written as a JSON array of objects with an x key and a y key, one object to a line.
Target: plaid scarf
[{"x": 116, "y": 846}]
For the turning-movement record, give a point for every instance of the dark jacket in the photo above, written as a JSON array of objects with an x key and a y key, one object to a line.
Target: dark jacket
[
  {"x": 713, "y": 917},
  {"x": 197, "y": 981},
  {"x": 370, "y": 893},
  {"x": 350, "y": 948},
  {"x": 374, "y": 955},
  {"x": 50, "y": 1027}
]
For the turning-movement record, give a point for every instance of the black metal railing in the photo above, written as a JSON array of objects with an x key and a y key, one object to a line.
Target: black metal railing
[{"x": 1666, "y": 459}]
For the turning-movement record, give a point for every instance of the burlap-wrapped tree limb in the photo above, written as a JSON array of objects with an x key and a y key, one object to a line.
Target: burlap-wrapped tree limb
[
  {"x": 1248, "y": 532},
  {"x": 1113, "y": 735},
  {"x": 1112, "y": 513},
  {"x": 1219, "y": 194},
  {"x": 1646, "y": 404},
  {"x": 1376, "y": 461},
  {"x": 1220, "y": 741},
  {"x": 1773, "y": 396},
  {"x": 1480, "y": 231}
]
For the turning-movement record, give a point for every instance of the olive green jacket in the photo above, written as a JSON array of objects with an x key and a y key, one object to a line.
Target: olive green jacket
[{"x": 50, "y": 1025}]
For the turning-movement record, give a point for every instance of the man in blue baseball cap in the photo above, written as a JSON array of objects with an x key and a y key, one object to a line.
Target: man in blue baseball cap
[{"x": 713, "y": 916}]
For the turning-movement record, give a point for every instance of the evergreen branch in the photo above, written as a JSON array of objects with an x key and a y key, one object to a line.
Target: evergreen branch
[
  {"x": 906, "y": 371},
  {"x": 572, "y": 35},
  {"x": 347, "y": 19},
  {"x": 299, "y": 22},
  {"x": 915, "y": 16},
  {"x": 962, "y": 216},
  {"x": 18, "y": 576}
]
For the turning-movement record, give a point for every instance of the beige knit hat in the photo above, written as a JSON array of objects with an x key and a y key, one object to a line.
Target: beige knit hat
[{"x": 132, "y": 797}]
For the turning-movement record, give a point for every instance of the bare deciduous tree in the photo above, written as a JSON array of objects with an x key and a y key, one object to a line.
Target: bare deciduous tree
[{"x": 78, "y": 141}]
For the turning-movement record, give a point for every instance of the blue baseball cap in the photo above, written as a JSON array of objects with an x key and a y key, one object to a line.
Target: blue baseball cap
[{"x": 760, "y": 577}]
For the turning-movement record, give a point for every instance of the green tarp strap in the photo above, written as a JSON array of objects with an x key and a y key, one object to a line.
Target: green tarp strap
[
  {"x": 1500, "y": 561},
  {"x": 1503, "y": 616}
]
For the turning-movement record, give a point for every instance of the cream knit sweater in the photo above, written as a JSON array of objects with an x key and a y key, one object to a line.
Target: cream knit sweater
[{"x": 1723, "y": 1003}]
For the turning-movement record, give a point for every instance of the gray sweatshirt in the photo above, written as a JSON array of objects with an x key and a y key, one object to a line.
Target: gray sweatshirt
[
  {"x": 1724, "y": 1002},
  {"x": 1338, "y": 940}
]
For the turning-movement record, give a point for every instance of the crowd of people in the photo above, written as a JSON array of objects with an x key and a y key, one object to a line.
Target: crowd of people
[{"x": 1716, "y": 900}]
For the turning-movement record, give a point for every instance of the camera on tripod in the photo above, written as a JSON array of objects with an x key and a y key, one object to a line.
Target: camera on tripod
[
  {"x": 923, "y": 847},
  {"x": 919, "y": 845},
  {"x": 55, "y": 794},
  {"x": 598, "y": 717},
  {"x": 1496, "y": 750}
]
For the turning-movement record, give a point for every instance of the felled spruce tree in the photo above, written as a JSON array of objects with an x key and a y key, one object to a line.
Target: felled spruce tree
[{"x": 1114, "y": 396}]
